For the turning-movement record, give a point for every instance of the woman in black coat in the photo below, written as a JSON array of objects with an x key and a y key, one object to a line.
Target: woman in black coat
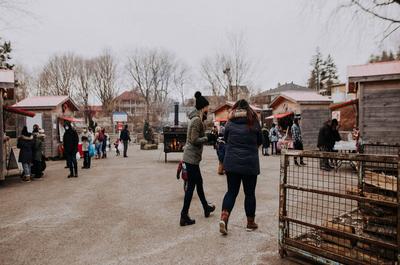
[
  {"x": 25, "y": 145},
  {"x": 243, "y": 138}
]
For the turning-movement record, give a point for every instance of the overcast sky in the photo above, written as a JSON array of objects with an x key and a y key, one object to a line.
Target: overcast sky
[{"x": 281, "y": 35}]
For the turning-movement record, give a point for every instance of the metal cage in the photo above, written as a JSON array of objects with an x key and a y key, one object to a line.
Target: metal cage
[{"x": 340, "y": 216}]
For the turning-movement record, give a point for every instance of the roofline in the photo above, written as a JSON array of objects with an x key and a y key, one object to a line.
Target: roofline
[{"x": 320, "y": 102}]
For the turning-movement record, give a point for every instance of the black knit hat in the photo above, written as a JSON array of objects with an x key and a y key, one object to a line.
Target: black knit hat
[{"x": 201, "y": 101}]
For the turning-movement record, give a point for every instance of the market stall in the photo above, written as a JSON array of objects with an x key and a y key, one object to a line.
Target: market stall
[
  {"x": 312, "y": 108},
  {"x": 50, "y": 114}
]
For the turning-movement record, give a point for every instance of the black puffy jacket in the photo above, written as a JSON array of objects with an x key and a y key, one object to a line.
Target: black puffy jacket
[
  {"x": 241, "y": 149},
  {"x": 70, "y": 141}
]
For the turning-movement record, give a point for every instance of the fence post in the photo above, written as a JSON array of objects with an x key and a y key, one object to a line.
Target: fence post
[
  {"x": 398, "y": 207},
  {"x": 283, "y": 224}
]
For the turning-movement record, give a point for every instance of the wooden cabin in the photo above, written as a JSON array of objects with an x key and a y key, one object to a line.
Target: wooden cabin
[
  {"x": 221, "y": 113},
  {"x": 378, "y": 90},
  {"x": 50, "y": 114},
  {"x": 312, "y": 108}
]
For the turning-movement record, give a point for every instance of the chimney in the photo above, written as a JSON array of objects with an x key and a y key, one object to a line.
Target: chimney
[{"x": 176, "y": 110}]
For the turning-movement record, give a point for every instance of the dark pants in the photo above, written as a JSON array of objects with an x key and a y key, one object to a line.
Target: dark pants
[
  {"x": 125, "y": 148},
  {"x": 249, "y": 187},
  {"x": 195, "y": 180},
  {"x": 274, "y": 146},
  {"x": 324, "y": 162},
  {"x": 72, "y": 164},
  {"x": 86, "y": 159},
  {"x": 265, "y": 150},
  {"x": 104, "y": 149},
  {"x": 37, "y": 168},
  {"x": 298, "y": 146}
]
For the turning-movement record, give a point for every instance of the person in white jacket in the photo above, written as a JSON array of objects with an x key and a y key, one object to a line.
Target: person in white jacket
[{"x": 274, "y": 136}]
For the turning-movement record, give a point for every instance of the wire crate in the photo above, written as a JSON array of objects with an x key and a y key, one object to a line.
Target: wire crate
[{"x": 340, "y": 216}]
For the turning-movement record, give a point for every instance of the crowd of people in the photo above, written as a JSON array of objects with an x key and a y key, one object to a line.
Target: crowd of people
[
  {"x": 93, "y": 144},
  {"x": 31, "y": 156}
]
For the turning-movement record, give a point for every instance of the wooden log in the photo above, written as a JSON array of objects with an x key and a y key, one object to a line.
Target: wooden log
[
  {"x": 340, "y": 227},
  {"x": 384, "y": 220},
  {"x": 354, "y": 254},
  {"x": 381, "y": 252},
  {"x": 381, "y": 230},
  {"x": 382, "y": 181},
  {"x": 344, "y": 242},
  {"x": 374, "y": 210},
  {"x": 370, "y": 195}
]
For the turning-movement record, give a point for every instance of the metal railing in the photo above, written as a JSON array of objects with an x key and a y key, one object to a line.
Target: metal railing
[{"x": 340, "y": 216}]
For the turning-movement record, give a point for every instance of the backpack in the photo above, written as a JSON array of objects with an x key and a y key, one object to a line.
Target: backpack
[{"x": 101, "y": 137}]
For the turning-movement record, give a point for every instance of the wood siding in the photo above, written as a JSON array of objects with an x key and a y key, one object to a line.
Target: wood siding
[
  {"x": 380, "y": 112},
  {"x": 311, "y": 121}
]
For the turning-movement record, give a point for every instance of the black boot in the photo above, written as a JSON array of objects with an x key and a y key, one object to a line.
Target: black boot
[
  {"x": 209, "y": 209},
  {"x": 185, "y": 220}
]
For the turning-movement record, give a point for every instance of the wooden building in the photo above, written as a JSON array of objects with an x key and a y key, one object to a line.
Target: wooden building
[
  {"x": 312, "y": 108},
  {"x": 222, "y": 112},
  {"x": 50, "y": 114},
  {"x": 378, "y": 90},
  {"x": 346, "y": 113}
]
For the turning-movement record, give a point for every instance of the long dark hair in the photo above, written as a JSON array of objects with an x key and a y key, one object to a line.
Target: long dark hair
[{"x": 252, "y": 117}]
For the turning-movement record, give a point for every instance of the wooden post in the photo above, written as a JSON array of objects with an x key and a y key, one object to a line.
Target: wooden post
[{"x": 1, "y": 136}]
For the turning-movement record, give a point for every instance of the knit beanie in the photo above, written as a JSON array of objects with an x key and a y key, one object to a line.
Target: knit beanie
[{"x": 201, "y": 101}]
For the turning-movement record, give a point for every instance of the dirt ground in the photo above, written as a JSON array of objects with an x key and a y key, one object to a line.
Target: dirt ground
[{"x": 126, "y": 211}]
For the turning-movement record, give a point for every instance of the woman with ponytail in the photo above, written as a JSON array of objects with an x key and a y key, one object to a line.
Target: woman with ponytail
[
  {"x": 192, "y": 154},
  {"x": 243, "y": 138}
]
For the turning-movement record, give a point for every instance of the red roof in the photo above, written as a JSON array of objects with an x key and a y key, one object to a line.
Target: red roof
[
  {"x": 19, "y": 111},
  {"x": 129, "y": 95},
  {"x": 344, "y": 104},
  {"x": 279, "y": 116},
  {"x": 229, "y": 104}
]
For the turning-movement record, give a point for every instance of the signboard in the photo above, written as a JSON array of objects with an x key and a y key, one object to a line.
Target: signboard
[
  {"x": 120, "y": 117},
  {"x": 120, "y": 126}
]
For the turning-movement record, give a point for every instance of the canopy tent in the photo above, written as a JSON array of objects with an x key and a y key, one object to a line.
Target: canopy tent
[{"x": 19, "y": 111}]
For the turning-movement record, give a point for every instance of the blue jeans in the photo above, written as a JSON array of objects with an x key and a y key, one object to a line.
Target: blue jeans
[
  {"x": 99, "y": 147},
  {"x": 249, "y": 187}
]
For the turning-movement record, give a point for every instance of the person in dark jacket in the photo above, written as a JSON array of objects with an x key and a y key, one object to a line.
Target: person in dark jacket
[
  {"x": 71, "y": 141},
  {"x": 243, "y": 138},
  {"x": 38, "y": 146},
  {"x": 125, "y": 138},
  {"x": 327, "y": 137},
  {"x": 266, "y": 141},
  {"x": 25, "y": 145},
  {"x": 192, "y": 154}
]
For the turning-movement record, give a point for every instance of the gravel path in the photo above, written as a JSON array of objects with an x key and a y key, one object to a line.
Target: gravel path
[{"x": 126, "y": 211}]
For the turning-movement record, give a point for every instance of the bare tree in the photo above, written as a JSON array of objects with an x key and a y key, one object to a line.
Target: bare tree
[
  {"x": 25, "y": 83},
  {"x": 104, "y": 74},
  {"x": 151, "y": 71},
  {"x": 84, "y": 83},
  {"x": 385, "y": 10},
  {"x": 181, "y": 79},
  {"x": 228, "y": 69},
  {"x": 57, "y": 76}
]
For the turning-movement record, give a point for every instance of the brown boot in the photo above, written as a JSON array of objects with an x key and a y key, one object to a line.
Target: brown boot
[
  {"x": 220, "y": 168},
  {"x": 251, "y": 225},
  {"x": 223, "y": 223}
]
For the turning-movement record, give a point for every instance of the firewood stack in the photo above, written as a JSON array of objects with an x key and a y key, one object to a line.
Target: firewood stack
[{"x": 379, "y": 221}]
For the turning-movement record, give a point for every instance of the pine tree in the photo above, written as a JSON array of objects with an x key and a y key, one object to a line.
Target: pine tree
[
  {"x": 329, "y": 75},
  {"x": 314, "y": 82},
  {"x": 5, "y": 50}
]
